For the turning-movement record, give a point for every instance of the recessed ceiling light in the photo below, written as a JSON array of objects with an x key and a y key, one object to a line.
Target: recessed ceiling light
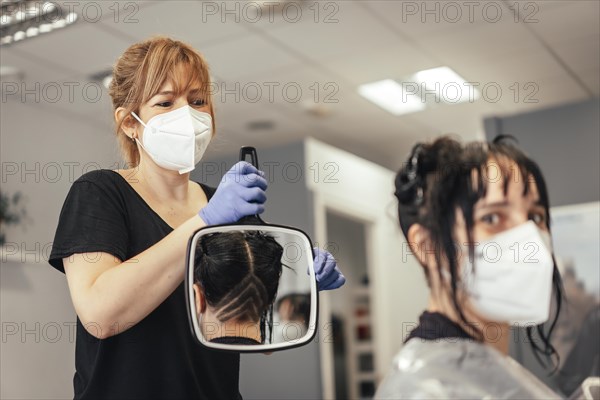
[
  {"x": 416, "y": 92},
  {"x": 24, "y": 19}
]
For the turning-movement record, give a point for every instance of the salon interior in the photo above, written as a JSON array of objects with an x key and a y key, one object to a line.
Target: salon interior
[{"x": 333, "y": 95}]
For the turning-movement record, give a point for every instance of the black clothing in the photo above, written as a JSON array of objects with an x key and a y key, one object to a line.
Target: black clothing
[
  {"x": 235, "y": 340},
  {"x": 156, "y": 358},
  {"x": 434, "y": 326}
]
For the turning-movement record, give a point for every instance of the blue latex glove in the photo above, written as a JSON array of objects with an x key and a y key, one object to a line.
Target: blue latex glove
[
  {"x": 240, "y": 193},
  {"x": 327, "y": 272}
]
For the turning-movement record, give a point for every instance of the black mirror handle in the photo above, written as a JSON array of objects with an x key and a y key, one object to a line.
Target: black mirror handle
[
  {"x": 249, "y": 150},
  {"x": 244, "y": 152}
]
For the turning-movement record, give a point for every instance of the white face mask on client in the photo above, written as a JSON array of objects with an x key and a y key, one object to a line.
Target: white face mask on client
[
  {"x": 512, "y": 280},
  {"x": 177, "y": 139}
]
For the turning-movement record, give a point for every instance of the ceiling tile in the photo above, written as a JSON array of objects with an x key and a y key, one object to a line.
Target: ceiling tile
[
  {"x": 483, "y": 40},
  {"x": 583, "y": 53},
  {"x": 82, "y": 47},
  {"x": 375, "y": 64},
  {"x": 88, "y": 100},
  {"x": 517, "y": 67},
  {"x": 423, "y": 19},
  {"x": 275, "y": 15},
  {"x": 354, "y": 31},
  {"x": 300, "y": 86},
  {"x": 572, "y": 20},
  {"x": 235, "y": 116},
  {"x": 191, "y": 21},
  {"x": 34, "y": 68},
  {"x": 591, "y": 79},
  {"x": 544, "y": 93},
  {"x": 464, "y": 119},
  {"x": 246, "y": 56}
]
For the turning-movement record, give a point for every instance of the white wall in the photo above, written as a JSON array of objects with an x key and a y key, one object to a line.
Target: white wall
[
  {"x": 364, "y": 190},
  {"x": 38, "y": 339}
]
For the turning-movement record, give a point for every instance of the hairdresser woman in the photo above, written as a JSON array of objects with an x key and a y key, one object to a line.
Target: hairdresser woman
[
  {"x": 476, "y": 217},
  {"x": 122, "y": 236}
]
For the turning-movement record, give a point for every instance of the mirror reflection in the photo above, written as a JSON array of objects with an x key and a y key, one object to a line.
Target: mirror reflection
[{"x": 252, "y": 287}]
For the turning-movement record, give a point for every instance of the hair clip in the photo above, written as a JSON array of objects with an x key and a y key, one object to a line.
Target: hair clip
[
  {"x": 413, "y": 166},
  {"x": 419, "y": 197},
  {"x": 413, "y": 173}
]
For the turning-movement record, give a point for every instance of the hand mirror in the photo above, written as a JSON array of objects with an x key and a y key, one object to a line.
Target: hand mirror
[{"x": 251, "y": 286}]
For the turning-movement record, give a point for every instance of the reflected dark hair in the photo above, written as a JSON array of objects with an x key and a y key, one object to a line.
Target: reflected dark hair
[
  {"x": 239, "y": 274},
  {"x": 444, "y": 176}
]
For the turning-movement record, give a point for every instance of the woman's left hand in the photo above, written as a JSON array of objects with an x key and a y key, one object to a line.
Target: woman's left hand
[{"x": 327, "y": 272}]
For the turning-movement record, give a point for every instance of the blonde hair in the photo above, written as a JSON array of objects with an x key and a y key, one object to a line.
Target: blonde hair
[{"x": 143, "y": 69}]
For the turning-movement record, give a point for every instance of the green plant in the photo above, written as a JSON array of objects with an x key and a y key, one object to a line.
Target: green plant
[{"x": 12, "y": 211}]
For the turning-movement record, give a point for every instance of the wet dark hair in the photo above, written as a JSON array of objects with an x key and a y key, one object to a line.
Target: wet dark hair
[
  {"x": 239, "y": 274},
  {"x": 443, "y": 176}
]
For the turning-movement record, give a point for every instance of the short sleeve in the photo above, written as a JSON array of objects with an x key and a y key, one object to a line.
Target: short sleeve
[
  {"x": 209, "y": 191},
  {"x": 92, "y": 219}
]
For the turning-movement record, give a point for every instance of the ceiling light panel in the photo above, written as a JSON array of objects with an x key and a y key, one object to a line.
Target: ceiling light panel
[{"x": 419, "y": 91}]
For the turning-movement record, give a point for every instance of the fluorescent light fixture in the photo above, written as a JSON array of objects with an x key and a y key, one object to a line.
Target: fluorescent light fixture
[
  {"x": 71, "y": 17},
  {"x": 45, "y": 28},
  {"x": 20, "y": 35},
  {"x": 48, "y": 6},
  {"x": 33, "y": 31},
  {"x": 424, "y": 89},
  {"x": 61, "y": 23},
  {"x": 391, "y": 96},
  {"x": 5, "y": 19},
  {"x": 446, "y": 85},
  {"x": 23, "y": 19}
]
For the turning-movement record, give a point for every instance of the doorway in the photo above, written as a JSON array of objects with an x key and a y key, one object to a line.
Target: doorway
[{"x": 351, "y": 317}]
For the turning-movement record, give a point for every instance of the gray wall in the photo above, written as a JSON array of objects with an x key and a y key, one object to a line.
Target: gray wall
[
  {"x": 292, "y": 373},
  {"x": 565, "y": 142}
]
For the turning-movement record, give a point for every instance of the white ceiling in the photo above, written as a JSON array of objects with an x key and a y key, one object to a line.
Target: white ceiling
[{"x": 554, "y": 46}]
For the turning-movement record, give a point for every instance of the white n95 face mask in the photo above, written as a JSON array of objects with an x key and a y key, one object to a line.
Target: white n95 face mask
[
  {"x": 512, "y": 280},
  {"x": 177, "y": 139}
]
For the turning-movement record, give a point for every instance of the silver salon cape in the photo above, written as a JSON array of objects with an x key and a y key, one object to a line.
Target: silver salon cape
[{"x": 455, "y": 368}]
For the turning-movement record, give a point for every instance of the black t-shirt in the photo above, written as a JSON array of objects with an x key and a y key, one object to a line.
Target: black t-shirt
[{"x": 157, "y": 358}]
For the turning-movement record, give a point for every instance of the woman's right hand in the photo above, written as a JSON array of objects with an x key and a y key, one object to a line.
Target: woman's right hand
[{"x": 240, "y": 193}]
